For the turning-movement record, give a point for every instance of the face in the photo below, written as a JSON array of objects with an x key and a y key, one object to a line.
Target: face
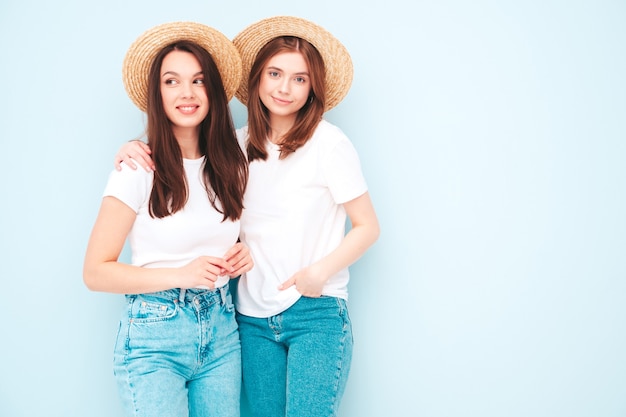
[
  {"x": 183, "y": 91},
  {"x": 285, "y": 84}
]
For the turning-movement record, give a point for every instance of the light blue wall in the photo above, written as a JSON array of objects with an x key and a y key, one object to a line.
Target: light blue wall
[{"x": 493, "y": 137}]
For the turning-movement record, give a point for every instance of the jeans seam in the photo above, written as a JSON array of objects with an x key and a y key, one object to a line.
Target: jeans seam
[{"x": 341, "y": 358}]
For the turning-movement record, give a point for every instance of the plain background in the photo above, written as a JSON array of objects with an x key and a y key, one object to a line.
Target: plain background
[{"x": 493, "y": 138}]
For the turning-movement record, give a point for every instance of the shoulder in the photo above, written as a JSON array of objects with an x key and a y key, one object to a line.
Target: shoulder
[
  {"x": 328, "y": 130},
  {"x": 131, "y": 186},
  {"x": 129, "y": 178},
  {"x": 242, "y": 136},
  {"x": 328, "y": 136},
  {"x": 242, "y": 133},
  {"x": 127, "y": 172}
]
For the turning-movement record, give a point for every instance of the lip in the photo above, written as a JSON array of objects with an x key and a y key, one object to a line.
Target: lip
[
  {"x": 281, "y": 101},
  {"x": 188, "y": 108}
]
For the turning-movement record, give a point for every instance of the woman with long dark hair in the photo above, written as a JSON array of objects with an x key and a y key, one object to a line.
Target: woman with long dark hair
[{"x": 177, "y": 351}]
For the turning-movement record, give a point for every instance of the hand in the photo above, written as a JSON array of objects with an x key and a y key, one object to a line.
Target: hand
[
  {"x": 308, "y": 281},
  {"x": 240, "y": 259},
  {"x": 136, "y": 150},
  {"x": 202, "y": 272}
]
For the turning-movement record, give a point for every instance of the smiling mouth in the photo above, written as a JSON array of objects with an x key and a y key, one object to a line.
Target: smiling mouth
[
  {"x": 281, "y": 101},
  {"x": 187, "y": 109}
]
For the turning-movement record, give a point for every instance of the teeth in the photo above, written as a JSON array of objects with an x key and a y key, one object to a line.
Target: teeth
[{"x": 187, "y": 108}]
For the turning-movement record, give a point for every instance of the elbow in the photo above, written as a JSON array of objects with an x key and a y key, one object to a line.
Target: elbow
[
  {"x": 89, "y": 279},
  {"x": 88, "y": 283},
  {"x": 375, "y": 232},
  {"x": 369, "y": 234}
]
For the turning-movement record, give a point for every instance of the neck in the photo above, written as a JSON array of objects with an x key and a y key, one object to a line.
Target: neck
[
  {"x": 279, "y": 126},
  {"x": 188, "y": 142}
]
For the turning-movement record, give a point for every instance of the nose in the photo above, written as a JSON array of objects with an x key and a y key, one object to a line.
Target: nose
[
  {"x": 284, "y": 86},
  {"x": 186, "y": 90}
]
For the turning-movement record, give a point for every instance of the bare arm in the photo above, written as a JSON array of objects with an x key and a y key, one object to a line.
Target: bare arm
[
  {"x": 365, "y": 231},
  {"x": 103, "y": 272},
  {"x": 136, "y": 150}
]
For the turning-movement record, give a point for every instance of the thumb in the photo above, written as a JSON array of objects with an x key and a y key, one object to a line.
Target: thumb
[{"x": 289, "y": 283}]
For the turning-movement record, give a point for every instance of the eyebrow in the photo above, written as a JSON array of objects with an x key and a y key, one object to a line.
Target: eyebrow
[
  {"x": 281, "y": 70},
  {"x": 177, "y": 74}
]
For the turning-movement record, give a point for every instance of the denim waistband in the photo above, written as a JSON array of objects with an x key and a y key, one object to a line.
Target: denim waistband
[{"x": 184, "y": 296}]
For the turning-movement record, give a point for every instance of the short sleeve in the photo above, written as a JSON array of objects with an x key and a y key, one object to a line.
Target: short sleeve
[
  {"x": 131, "y": 186},
  {"x": 342, "y": 170}
]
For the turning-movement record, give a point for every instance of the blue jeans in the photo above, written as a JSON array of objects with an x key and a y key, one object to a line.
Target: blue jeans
[
  {"x": 296, "y": 364},
  {"x": 178, "y": 354}
]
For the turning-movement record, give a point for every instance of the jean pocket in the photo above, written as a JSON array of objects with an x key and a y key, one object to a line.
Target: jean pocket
[{"x": 146, "y": 310}]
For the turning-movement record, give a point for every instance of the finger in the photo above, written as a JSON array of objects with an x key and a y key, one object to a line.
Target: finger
[
  {"x": 233, "y": 252},
  {"x": 136, "y": 156},
  {"x": 126, "y": 159},
  {"x": 140, "y": 152},
  {"x": 239, "y": 264},
  {"x": 145, "y": 147},
  {"x": 242, "y": 268},
  {"x": 211, "y": 277},
  {"x": 130, "y": 162},
  {"x": 207, "y": 271},
  {"x": 289, "y": 283},
  {"x": 235, "y": 261},
  {"x": 221, "y": 265},
  {"x": 145, "y": 164},
  {"x": 142, "y": 155},
  {"x": 239, "y": 261}
]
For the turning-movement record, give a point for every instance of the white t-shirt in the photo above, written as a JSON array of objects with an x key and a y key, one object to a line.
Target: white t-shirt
[
  {"x": 176, "y": 240},
  {"x": 293, "y": 217}
]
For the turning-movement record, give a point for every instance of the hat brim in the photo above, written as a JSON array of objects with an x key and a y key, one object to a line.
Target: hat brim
[
  {"x": 142, "y": 52},
  {"x": 337, "y": 60}
]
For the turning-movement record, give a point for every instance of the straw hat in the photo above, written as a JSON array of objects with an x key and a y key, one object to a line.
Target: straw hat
[
  {"x": 142, "y": 52},
  {"x": 336, "y": 58}
]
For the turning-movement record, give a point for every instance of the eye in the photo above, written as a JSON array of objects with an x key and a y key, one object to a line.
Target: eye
[
  {"x": 199, "y": 81},
  {"x": 170, "y": 81},
  {"x": 300, "y": 80},
  {"x": 273, "y": 74}
]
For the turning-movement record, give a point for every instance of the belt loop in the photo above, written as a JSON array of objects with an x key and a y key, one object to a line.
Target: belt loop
[
  {"x": 223, "y": 294},
  {"x": 181, "y": 297}
]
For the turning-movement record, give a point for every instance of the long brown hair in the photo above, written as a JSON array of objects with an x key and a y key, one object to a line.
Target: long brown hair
[
  {"x": 308, "y": 116},
  {"x": 225, "y": 170}
]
